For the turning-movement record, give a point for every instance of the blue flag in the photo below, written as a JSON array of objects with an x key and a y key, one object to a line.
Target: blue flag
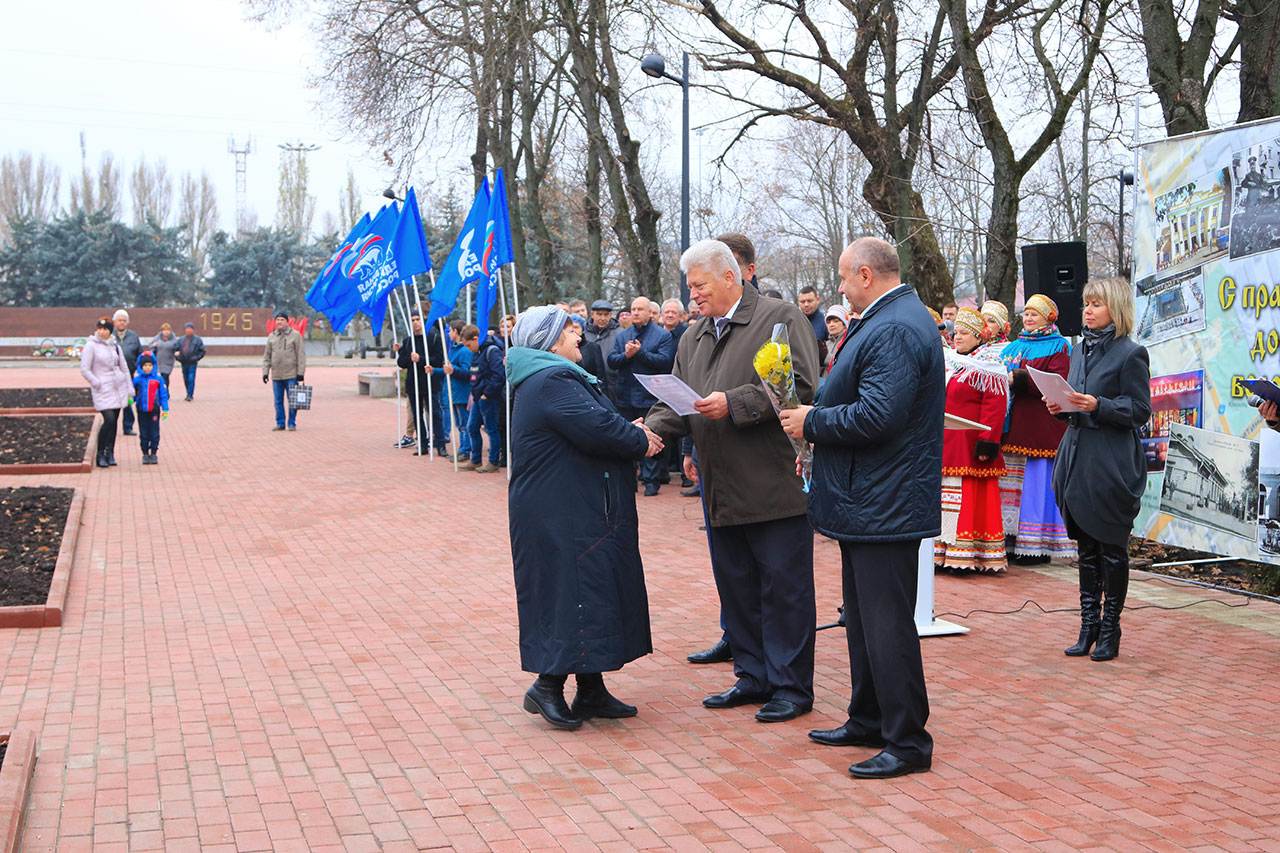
[
  {"x": 497, "y": 251},
  {"x": 316, "y": 296},
  {"x": 407, "y": 256},
  {"x": 363, "y": 269},
  {"x": 463, "y": 265}
]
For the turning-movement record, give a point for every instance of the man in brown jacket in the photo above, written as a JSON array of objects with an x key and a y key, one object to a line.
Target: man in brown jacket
[
  {"x": 284, "y": 362},
  {"x": 761, "y": 541}
]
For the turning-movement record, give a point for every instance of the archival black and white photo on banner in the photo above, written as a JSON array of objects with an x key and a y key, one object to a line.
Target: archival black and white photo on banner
[
  {"x": 1211, "y": 479},
  {"x": 1269, "y": 492},
  {"x": 1193, "y": 222},
  {"x": 1255, "y": 203},
  {"x": 1170, "y": 306}
]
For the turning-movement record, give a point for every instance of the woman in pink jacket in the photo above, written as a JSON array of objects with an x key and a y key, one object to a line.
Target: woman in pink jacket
[{"x": 103, "y": 367}]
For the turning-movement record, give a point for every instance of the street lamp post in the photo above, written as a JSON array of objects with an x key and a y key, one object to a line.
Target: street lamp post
[
  {"x": 655, "y": 66},
  {"x": 1126, "y": 178}
]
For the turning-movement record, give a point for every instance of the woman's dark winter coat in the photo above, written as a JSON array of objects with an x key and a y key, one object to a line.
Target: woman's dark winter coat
[
  {"x": 574, "y": 535},
  {"x": 1101, "y": 472}
]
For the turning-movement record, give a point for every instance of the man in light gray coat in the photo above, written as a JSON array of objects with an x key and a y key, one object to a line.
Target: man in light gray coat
[{"x": 283, "y": 364}]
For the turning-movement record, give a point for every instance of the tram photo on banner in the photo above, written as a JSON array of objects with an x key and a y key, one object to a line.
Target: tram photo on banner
[{"x": 1206, "y": 273}]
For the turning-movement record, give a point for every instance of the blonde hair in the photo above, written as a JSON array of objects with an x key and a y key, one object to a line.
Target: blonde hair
[{"x": 1117, "y": 294}]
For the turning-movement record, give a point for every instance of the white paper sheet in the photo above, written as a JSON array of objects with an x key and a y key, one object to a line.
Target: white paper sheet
[
  {"x": 671, "y": 390},
  {"x": 1053, "y": 388}
]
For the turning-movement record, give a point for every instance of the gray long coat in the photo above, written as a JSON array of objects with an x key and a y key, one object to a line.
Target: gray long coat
[{"x": 1101, "y": 471}]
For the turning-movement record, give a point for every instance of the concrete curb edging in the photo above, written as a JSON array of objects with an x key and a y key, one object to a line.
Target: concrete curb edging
[
  {"x": 84, "y": 466},
  {"x": 15, "y": 784},
  {"x": 49, "y": 614}
]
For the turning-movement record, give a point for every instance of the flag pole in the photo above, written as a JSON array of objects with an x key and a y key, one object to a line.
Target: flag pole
[
  {"x": 413, "y": 369},
  {"x": 448, "y": 385},
  {"x": 466, "y": 292},
  {"x": 515, "y": 289},
  {"x": 431, "y": 421},
  {"x": 399, "y": 296},
  {"x": 395, "y": 335},
  {"x": 506, "y": 345}
]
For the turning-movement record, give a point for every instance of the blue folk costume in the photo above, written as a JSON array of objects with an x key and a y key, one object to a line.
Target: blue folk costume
[{"x": 1031, "y": 440}]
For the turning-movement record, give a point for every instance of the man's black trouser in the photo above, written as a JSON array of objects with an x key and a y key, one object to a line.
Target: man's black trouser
[
  {"x": 764, "y": 574},
  {"x": 885, "y": 668}
]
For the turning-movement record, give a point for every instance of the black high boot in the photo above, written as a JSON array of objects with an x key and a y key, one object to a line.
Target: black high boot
[
  {"x": 1090, "y": 596},
  {"x": 101, "y": 461},
  {"x": 1115, "y": 568},
  {"x": 546, "y": 697},
  {"x": 595, "y": 700}
]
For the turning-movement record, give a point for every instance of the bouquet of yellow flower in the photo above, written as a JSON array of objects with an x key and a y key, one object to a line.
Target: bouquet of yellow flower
[{"x": 772, "y": 363}]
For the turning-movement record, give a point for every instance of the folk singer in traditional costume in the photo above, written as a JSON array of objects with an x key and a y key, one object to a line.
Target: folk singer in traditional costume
[
  {"x": 972, "y": 531},
  {"x": 1031, "y": 440}
]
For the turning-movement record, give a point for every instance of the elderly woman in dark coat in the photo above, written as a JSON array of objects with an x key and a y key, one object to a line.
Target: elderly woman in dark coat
[
  {"x": 1100, "y": 472},
  {"x": 574, "y": 535}
]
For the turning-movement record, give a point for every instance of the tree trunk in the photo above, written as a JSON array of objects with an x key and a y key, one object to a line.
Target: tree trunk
[
  {"x": 1176, "y": 68},
  {"x": 595, "y": 233},
  {"x": 901, "y": 209},
  {"x": 1259, "y": 75}
]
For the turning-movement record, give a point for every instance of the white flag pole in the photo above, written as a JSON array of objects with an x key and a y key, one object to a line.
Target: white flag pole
[
  {"x": 414, "y": 369},
  {"x": 395, "y": 336},
  {"x": 448, "y": 384},
  {"x": 431, "y": 421},
  {"x": 515, "y": 289},
  {"x": 401, "y": 297},
  {"x": 506, "y": 345},
  {"x": 466, "y": 293}
]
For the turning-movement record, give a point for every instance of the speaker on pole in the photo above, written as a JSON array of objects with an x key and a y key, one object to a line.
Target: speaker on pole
[{"x": 1059, "y": 271}]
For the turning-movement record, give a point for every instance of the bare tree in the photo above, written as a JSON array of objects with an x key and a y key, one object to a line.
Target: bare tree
[
  {"x": 28, "y": 190},
  {"x": 349, "y": 207},
  {"x": 1176, "y": 66},
  {"x": 152, "y": 193},
  {"x": 198, "y": 214},
  {"x": 296, "y": 207},
  {"x": 1078, "y": 36},
  {"x": 1259, "y": 37},
  {"x": 97, "y": 191}
]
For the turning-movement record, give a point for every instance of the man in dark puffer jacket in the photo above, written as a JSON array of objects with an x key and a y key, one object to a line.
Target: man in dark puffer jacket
[{"x": 877, "y": 481}]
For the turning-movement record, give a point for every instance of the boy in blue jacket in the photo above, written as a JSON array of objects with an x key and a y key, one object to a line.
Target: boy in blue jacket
[
  {"x": 152, "y": 398},
  {"x": 458, "y": 372},
  {"x": 488, "y": 381}
]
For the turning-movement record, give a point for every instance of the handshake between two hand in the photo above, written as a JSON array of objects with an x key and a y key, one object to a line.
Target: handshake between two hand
[{"x": 655, "y": 441}]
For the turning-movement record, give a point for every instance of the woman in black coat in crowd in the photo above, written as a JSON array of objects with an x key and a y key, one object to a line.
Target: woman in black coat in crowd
[
  {"x": 574, "y": 535},
  {"x": 1101, "y": 471}
]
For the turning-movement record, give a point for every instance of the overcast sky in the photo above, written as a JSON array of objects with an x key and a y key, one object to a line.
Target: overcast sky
[{"x": 172, "y": 80}]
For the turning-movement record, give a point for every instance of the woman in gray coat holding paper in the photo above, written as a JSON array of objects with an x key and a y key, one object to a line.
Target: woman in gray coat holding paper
[{"x": 1101, "y": 472}]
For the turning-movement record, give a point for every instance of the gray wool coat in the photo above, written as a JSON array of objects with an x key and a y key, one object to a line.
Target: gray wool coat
[{"x": 1101, "y": 472}]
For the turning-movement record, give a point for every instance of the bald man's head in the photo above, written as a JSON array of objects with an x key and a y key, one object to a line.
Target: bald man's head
[{"x": 869, "y": 268}]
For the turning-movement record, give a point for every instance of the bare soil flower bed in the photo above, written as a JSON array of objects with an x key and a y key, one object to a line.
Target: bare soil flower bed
[
  {"x": 44, "y": 439},
  {"x": 1244, "y": 575},
  {"x": 32, "y": 519},
  {"x": 45, "y": 398}
]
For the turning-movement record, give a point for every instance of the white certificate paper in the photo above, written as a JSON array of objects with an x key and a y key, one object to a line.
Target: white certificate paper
[
  {"x": 1053, "y": 388},
  {"x": 671, "y": 390}
]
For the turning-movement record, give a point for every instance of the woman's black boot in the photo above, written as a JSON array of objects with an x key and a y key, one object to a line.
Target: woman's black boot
[
  {"x": 1115, "y": 568},
  {"x": 594, "y": 700},
  {"x": 546, "y": 697},
  {"x": 1090, "y": 597}
]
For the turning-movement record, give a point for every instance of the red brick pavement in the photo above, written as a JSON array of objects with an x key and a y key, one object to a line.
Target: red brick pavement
[{"x": 306, "y": 641}]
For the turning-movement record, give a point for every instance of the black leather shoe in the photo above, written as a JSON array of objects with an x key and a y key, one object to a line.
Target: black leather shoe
[
  {"x": 846, "y": 735},
  {"x": 650, "y": 489},
  {"x": 883, "y": 765},
  {"x": 733, "y": 697},
  {"x": 781, "y": 710},
  {"x": 102, "y": 460},
  {"x": 129, "y": 432},
  {"x": 691, "y": 492},
  {"x": 111, "y": 457},
  {"x": 719, "y": 653},
  {"x": 595, "y": 700},
  {"x": 686, "y": 483},
  {"x": 548, "y": 700}
]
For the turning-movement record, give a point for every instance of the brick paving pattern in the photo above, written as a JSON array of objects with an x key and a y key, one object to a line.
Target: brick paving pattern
[{"x": 306, "y": 641}]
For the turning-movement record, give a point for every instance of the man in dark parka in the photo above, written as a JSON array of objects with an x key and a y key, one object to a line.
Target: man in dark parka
[
  {"x": 877, "y": 481},
  {"x": 761, "y": 542}
]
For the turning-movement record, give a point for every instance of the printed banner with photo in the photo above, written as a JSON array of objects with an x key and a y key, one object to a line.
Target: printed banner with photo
[
  {"x": 1206, "y": 267},
  {"x": 1170, "y": 306},
  {"x": 1176, "y": 399}
]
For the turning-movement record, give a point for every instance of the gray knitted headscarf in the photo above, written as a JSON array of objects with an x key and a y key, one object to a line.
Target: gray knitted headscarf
[{"x": 540, "y": 327}]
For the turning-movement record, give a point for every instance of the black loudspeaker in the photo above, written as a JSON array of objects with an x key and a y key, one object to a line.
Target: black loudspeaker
[{"x": 1059, "y": 271}]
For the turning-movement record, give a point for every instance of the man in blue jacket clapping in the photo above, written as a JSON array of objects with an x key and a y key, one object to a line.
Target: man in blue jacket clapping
[{"x": 644, "y": 348}]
